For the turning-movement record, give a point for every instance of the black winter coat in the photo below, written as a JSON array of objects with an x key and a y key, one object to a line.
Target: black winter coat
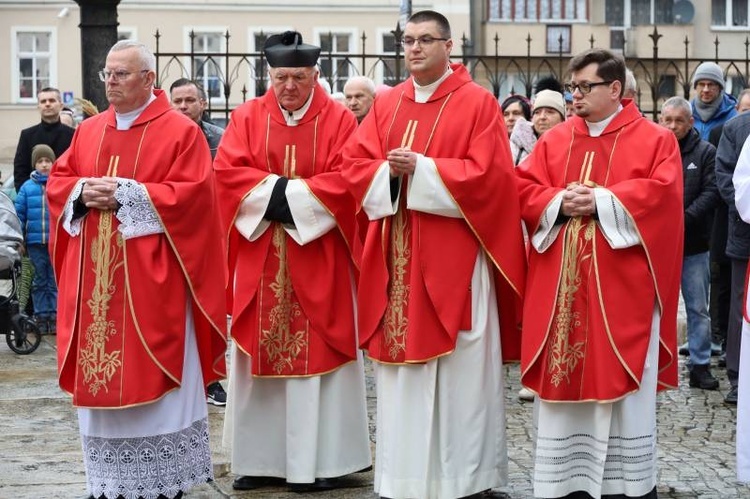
[
  {"x": 56, "y": 135},
  {"x": 700, "y": 195},
  {"x": 733, "y": 138}
]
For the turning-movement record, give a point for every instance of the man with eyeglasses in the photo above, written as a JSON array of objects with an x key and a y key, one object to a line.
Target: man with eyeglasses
[
  {"x": 296, "y": 412},
  {"x": 137, "y": 250},
  {"x": 50, "y": 131},
  {"x": 431, "y": 168},
  {"x": 711, "y": 105},
  {"x": 601, "y": 195}
]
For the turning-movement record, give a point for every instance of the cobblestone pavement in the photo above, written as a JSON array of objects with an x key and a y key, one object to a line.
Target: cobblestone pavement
[{"x": 41, "y": 453}]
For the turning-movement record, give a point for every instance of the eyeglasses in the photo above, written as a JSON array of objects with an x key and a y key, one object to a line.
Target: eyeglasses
[
  {"x": 423, "y": 41},
  {"x": 118, "y": 75},
  {"x": 706, "y": 84},
  {"x": 585, "y": 87}
]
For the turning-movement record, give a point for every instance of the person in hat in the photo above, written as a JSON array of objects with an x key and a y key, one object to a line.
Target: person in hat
[
  {"x": 33, "y": 212},
  {"x": 442, "y": 272},
  {"x": 296, "y": 411},
  {"x": 711, "y": 105},
  {"x": 137, "y": 250},
  {"x": 549, "y": 110}
]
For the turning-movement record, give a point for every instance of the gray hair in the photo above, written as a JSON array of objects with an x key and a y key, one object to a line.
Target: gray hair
[
  {"x": 368, "y": 83},
  {"x": 678, "y": 102},
  {"x": 148, "y": 60},
  {"x": 630, "y": 84}
]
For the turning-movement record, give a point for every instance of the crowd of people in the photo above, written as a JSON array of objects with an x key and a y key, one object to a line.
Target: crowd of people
[{"x": 428, "y": 227}]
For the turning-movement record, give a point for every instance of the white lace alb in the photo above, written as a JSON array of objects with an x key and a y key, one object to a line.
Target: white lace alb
[{"x": 149, "y": 466}]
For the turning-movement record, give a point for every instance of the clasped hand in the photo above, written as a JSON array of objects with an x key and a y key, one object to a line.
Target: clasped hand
[
  {"x": 402, "y": 161},
  {"x": 578, "y": 201},
  {"x": 99, "y": 193}
]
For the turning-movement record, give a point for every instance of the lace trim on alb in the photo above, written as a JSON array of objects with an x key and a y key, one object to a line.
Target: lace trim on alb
[
  {"x": 136, "y": 214},
  {"x": 73, "y": 227},
  {"x": 148, "y": 466}
]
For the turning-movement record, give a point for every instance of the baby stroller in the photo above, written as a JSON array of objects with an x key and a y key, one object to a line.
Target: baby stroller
[{"x": 21, "y": 332}]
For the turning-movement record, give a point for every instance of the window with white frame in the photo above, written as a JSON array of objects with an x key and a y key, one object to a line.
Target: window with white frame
[
  {"x": 627, "y": 13},
  {"x": 730, "y": 13},
  {"x": 207, "y": 66},
  {"x": 33, "y": 62},
  {"x": 335, "y": 47},
  {"x": 258, "y": 77},
  {"x": 538, "y": 10},
  {"x": 387, "y": 66}
]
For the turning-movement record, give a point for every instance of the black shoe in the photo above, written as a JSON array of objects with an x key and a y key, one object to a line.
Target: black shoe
[
  {"x": 247, "y": 482},
  {"x": 722, "y": 362},
  {"x": 701, "y": 377},
  {"x": 488, "y": 494},
  {"x": 319, "y": 485},
  {"x": 731, "y": 396},
  {"x": 684, "y": 350},
  {"x": 216, "y": 394}
]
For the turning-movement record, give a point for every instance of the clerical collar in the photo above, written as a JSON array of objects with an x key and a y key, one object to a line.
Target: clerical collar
[
  {"x": 422, "y": 93},
  {"x": 596, "y": 128},
  {"x": 125, "y": 120},
  {"x": 294, "y": 117}
]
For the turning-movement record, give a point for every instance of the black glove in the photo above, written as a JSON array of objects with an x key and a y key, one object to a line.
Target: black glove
[{"x": 278, "y": 207}]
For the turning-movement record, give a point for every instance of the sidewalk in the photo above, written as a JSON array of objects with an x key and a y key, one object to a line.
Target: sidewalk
[{"x": 41, "y": 451}]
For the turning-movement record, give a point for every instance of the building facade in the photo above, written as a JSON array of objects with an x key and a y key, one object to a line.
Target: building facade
[{"x": 508, "y": 43}]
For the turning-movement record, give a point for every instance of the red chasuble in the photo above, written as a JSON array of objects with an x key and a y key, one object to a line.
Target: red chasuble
[
  {"x": 122, "y": 303},
  {"x": 293, "y": 307},
  {"x": 588, "y": 310},
  {"x": 415, "y": 283}
]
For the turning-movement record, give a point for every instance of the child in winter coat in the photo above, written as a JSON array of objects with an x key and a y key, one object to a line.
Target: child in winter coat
[{"x": 32, "y": 210}]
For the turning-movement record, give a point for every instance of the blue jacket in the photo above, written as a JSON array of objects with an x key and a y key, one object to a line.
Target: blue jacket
[
  {"x": 32, "y": 209},
  {"x": 726, "y": 110}
]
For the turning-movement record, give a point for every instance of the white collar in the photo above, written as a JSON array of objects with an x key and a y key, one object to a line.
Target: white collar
[
  {"x": 125, "y": 120},
  {"x": 423, "y": 93},
  {"x": 294, "y": 117},
  {"x": 596, "y": 128}
]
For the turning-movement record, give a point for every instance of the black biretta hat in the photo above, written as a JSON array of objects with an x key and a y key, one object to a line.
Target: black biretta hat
[{"x": 287, "y": 51}]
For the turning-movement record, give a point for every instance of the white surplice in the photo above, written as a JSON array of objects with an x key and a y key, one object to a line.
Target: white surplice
[
  {"x": 741, "y": 181},
  {"x": 152, "y": 449}
]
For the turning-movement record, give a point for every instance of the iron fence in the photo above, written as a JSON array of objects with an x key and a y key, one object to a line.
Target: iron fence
[{"x": 659, "y": 78}]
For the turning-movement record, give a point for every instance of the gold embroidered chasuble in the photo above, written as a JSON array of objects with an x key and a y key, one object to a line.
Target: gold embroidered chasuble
[
  {"x": 588, "y": 317},
  {"x": 121, "y": 322}
]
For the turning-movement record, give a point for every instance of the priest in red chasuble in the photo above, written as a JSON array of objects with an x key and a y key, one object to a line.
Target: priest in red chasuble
[
  {"x": 138, "y": 255},
  {"x": 442, "y": 272},
  {"x": 296, "y": 410},
  {"x": 601, "y": 196}
]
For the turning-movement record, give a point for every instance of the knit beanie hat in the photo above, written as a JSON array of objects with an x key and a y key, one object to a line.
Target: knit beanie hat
[
  {"x": 551, "y": 99},
  {"x": 41, "y": 151},
  {"x": 709, "y": 71}
]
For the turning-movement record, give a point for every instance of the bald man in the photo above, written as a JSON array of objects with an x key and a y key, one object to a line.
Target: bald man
[{"x": 359, "y": 93}]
